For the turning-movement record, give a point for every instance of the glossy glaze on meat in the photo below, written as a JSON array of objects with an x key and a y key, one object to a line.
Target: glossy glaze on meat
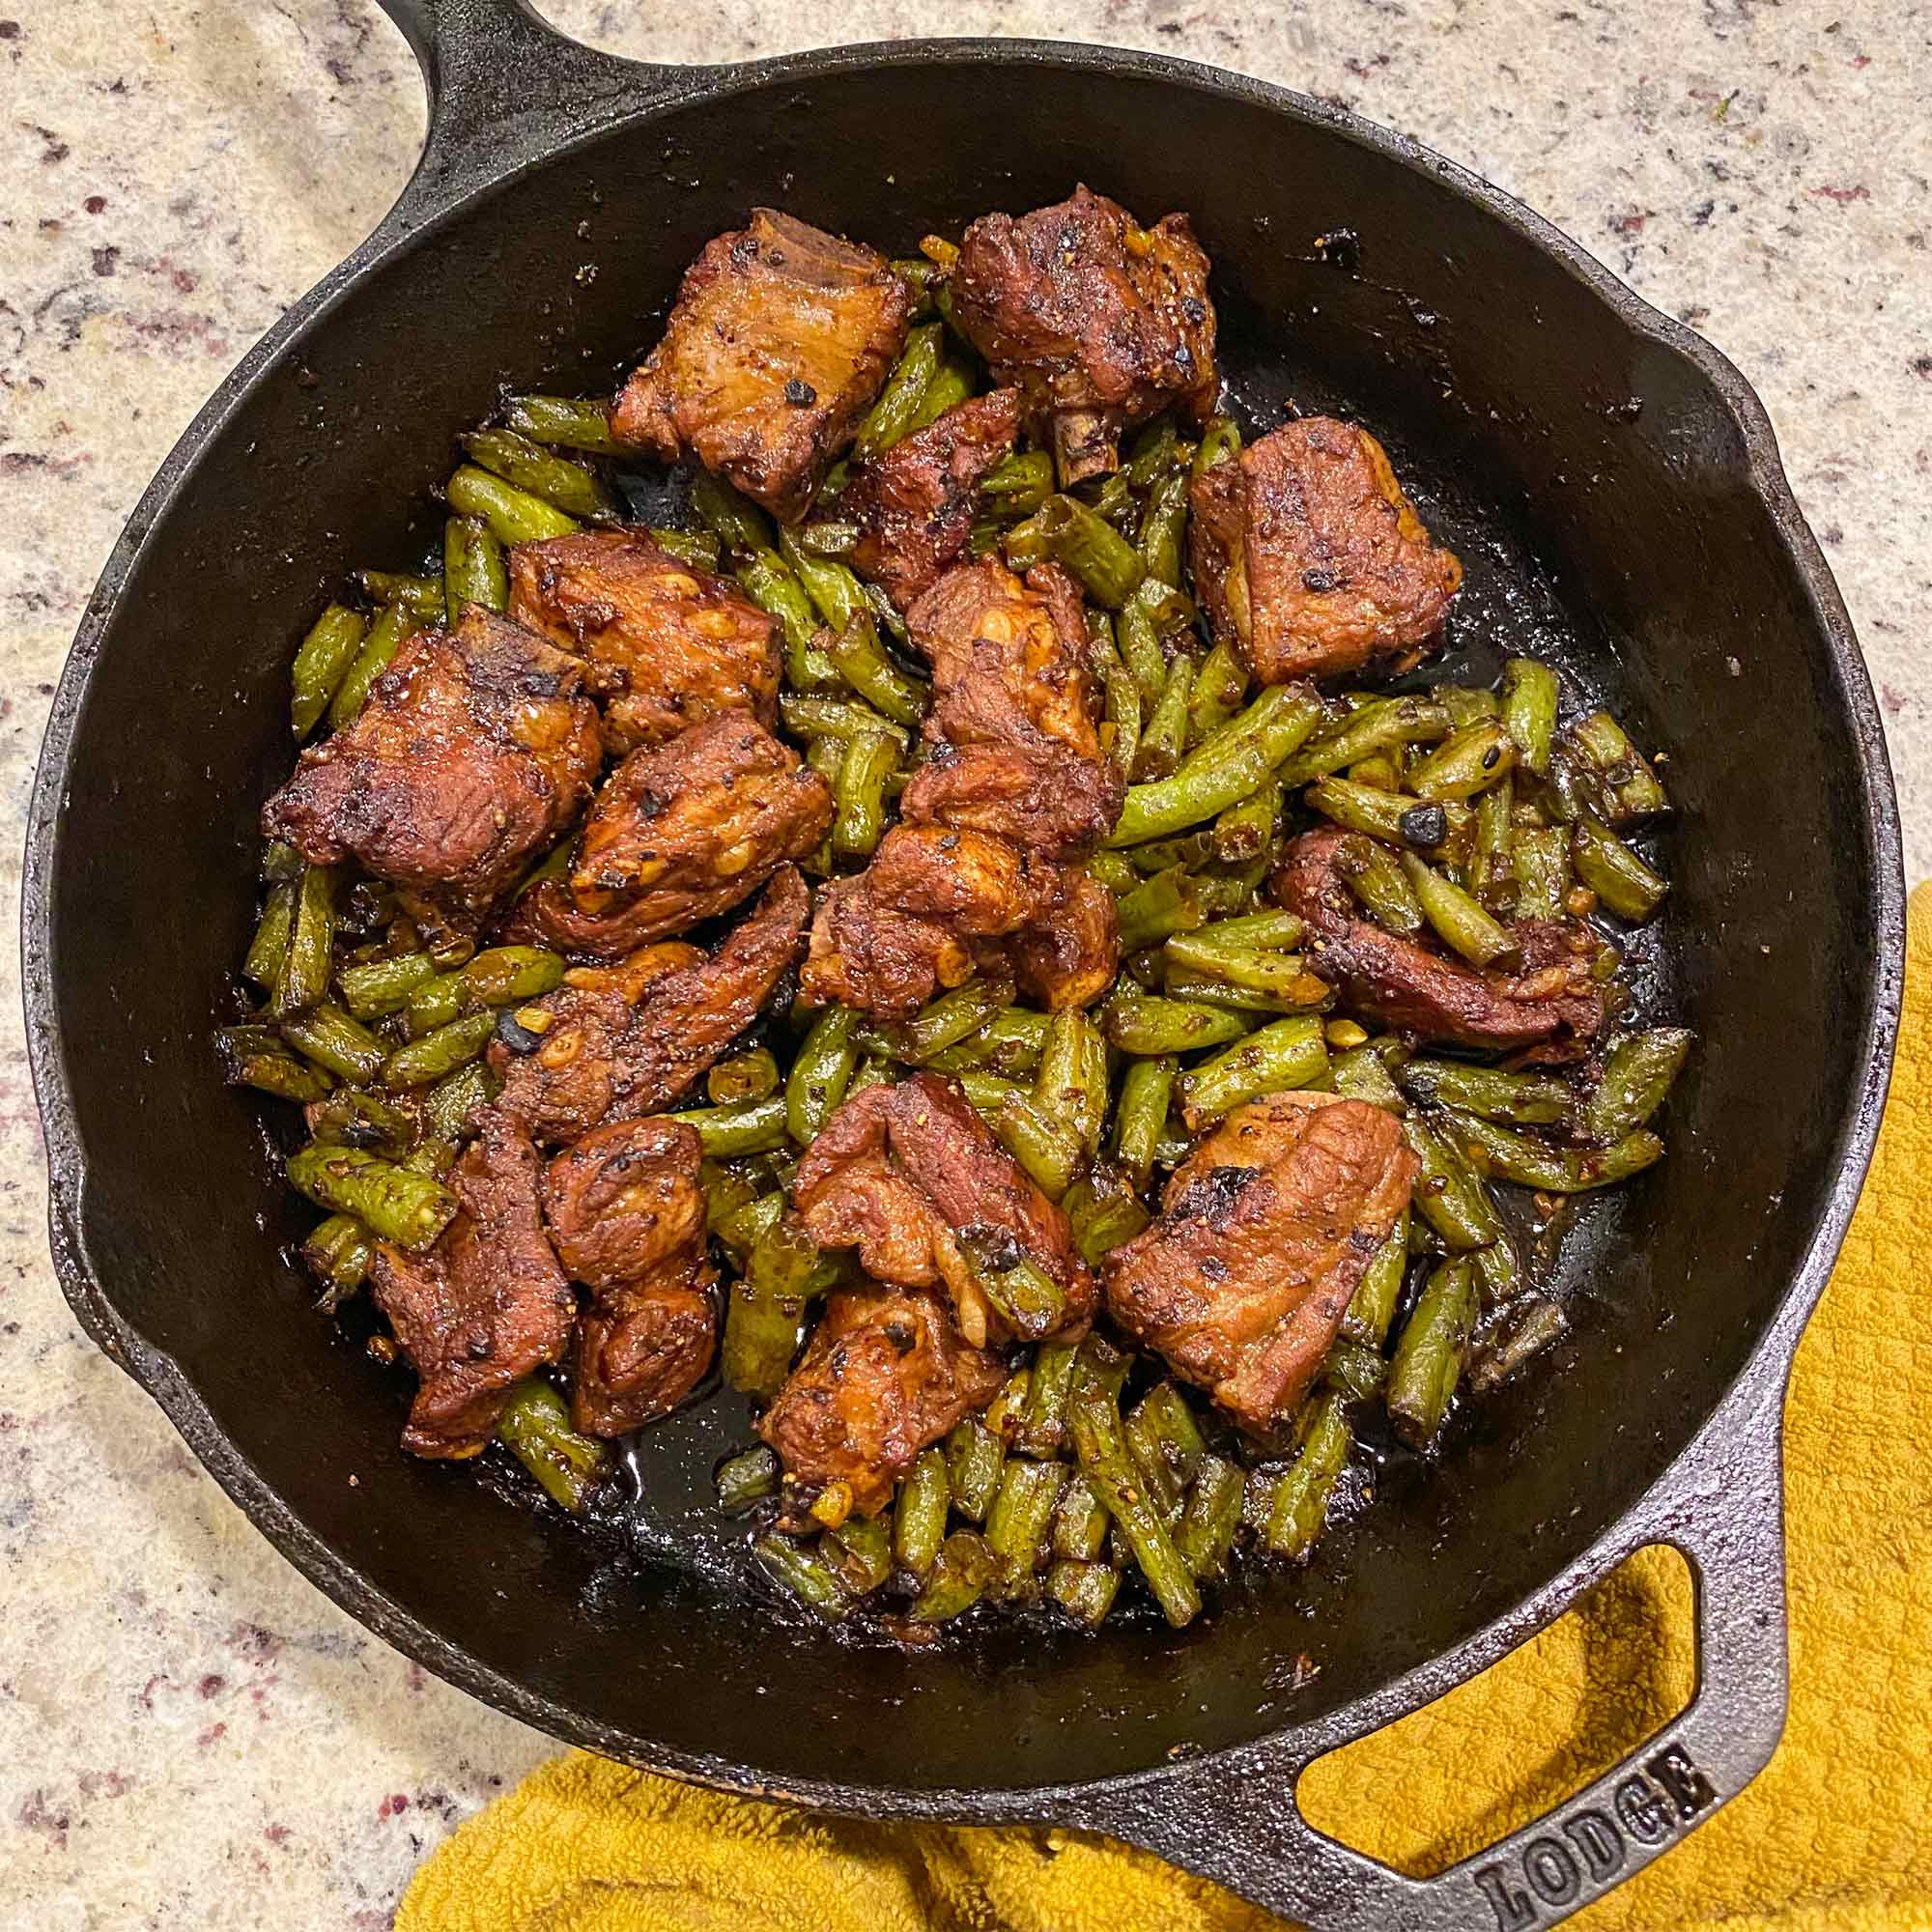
[
  {"x": 1408, "y": 985},
  {"x": 886, "y": 1373},
  {"x": 915, "y": 504},
  {"x": 680, "y": 832},
  {"x": 1099, "y": 323},
  {"x": 1311, "y": 561},
  {"x": 907, "y": 1174},
  {"x": 612, "y": 1053},
  {"x": 626, "y": 1215},
  {"x": 1041, "y": 796},
  {"x": 486, "y": 1304},
  {"x": 474, "y": 751},
  {"x": 1264, "y": 1232},
  {"x": 664, "y": 645},
  {"x": 782, "y": 339}
]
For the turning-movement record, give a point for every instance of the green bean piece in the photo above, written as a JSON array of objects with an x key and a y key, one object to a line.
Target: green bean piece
[
  {"x": 1163, "y": 524},
  {"x": 365, "y": 1120},
  {"x": 1071, "y": 1084},
  {"x": 1549, "y": 1170},
  {"x": 859, "y": 1551},
  {"x": 1002, "y": 1416},
  {"x": 1529, "y": 1327},
  {"x": 535, "y": 1428},
  {"x": 858, "y": 795},
  {"x": 737, "y": 522},
  {"x": 1141, "y": 652},
  {"x": 1447, "y": 1193},
  {"x": 1464, "y": 763},
  {"x": 1220, "y": 441},
  {"x": 1523, "y": 1099},
  {"x": 1361, "y": 1074},
  {"x": 821, "y": 1072},
  {"x": 1167, "y": 903},
  {"x": 1381, "y": 726},
  {"x": 1019, "y": 1525},
  {"x": 1020, "y": 1290},
  {"x": 1427, "y": 1360},
  {"x": 281, "y": 864},
  {"x": 863, "y": 664},
  {"x": 408, "y": 1209},
  {"x": 421, "y": 596},
  {"x": 953, "y": 382},
  {"x": 923, "y": 278},
  {"x": 499, "y": 976},
  {"x": 1084, "y": 1591},
  {"x": 1372, "y": 1305},
  {"x": 1282, "y": 976},
  {"x": 1100, "y": 1442},
  {"x": 1104, "y": 1212},
  {"x": 698, "y": 549},
  {"x": 1467, "y": 703},
  {"x": 321, "y": 663},
  {"x": 1248, "y": 829},
  {"x": 272, "y": 1071},
  {"x": 891, "y": 417},
  {"x": 746, "y": 1126},
  {"x": 1625, "y": 786},
  {"x": 1638, "y": 1075},
  {"x": 745, "y": 1480},
  {"x": 1045, "y": 1149},
  {"x": 1375, "y": 877},
  {"x": 435, "y": 1003},
  {"x": 766, "y": 580},
  {"x": 473, "y": 567},
  {"x": 919, "y": 1514},
  {"x": 1167, "y": 1413},
  {"x": 1212, "y": 1517},
  {"x": 818, "y": 718},
  {"x": 1225, "y": 768},
  {"x": 1539, "y": 861},
  {"x": 836, "y": 593},
  {"x": 270, "y": 944},
  {"x": 1155, "y": 450},
  {"x": 750, "y": 1075},
  {"x": 1140, "y": 1115},
  {"x": 380, "y": 986},
  {"x": 1363, "y": 808},
  {"x": 448, "y": 1105},
  {"x": 570, "y": 422},
  {"x": 514, "y": 516},
  {"x": 766, "y": 1308},
  {"x": 1079, "y": 1525},
  {"x": 943, "y": 1022},
  {"x": 330, "y": 1037},
  {"x": 1454, "y": 917},
  {"x": 1355, "y": 1371},
  {"x": 338, "y": 1252},
  {"x": 304, "y": 978},
  {"x": 1611, "y": 869},
  {"x": 1220, "y": 686},
  {"x": 1147, "y": 1025},
  {"x": 1288, "y": 1053},
  {"x": 384, "y": 638},
  {"x": 1492, "y": 874},
  {"x": 1042, "y": 1416},
  {"x": 973, "y": 1459},
  {"x": 1008, "y": 1045},
  {"x": 1299, "y": 1505},
  {"x": 439, "y": 1051},
  {"x": 961, "y": 1573},
  {"x": 741, "y": 1224},
  {"x": 805, "y": 1573},
  {"x": 1530, "y": 710},
  {"x": 1164, "y": 738},
  {"x": 1499, "y": 1273},
  {"x": 562, "y": 483},
  {"x": 1017, "y": 485},
  {"x": 1073, "y": 535}
]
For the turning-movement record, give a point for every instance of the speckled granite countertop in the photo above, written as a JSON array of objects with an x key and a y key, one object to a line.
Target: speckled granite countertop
[{"x": 190, "y": 1736}]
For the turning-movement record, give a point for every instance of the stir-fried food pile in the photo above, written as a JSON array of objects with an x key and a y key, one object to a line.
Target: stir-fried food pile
[{"x": 947, "y": 937}]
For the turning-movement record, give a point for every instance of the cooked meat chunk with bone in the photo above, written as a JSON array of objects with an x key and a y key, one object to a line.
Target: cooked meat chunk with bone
[
  {"x": 680, "y": 832},
  {"x": 1264, "y": 1232},
  {"x": 1311, "y": 561},
  {"x": 911, "y": 1177},
  {"x": 475, "y": 748},
  {"x": 664, "y": 645},
  {"x": 619, "y": 1043},
  {"x": 626, "y": 1214},
  {"x": 483, "y": 1307},
  {"x": 782, "y": 337},
  {"x": 1099, "y": 322},
  {"x": 1405, "y": 985},
  {"x": 914, "y": 505},
  {"x": 885, "y": 1374}
]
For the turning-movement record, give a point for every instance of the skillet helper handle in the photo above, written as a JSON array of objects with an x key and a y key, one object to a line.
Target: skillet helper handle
[
  {"x": 504, "y": 87},
  {"x": 1241, "y": 1826}
]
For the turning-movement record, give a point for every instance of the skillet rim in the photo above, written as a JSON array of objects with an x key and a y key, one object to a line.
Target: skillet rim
[{"x": 449, "y": 182}]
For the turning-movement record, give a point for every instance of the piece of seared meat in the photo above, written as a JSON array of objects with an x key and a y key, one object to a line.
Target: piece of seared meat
[
  {"x": 664, "y": 645},
  {"x": 1042, "y": 796},
  {"x": 626, "y": 1214},
  {"x": 912, "y": 1176},
  {"x": 611, "y": 1053},
  {"x": 474, "y": 749},
  {"x": 914, "y": 505},
  {"x": 1098, "y": 322},
  {"x": 679, "y": 832},
  {"x": 1406, "y": 985},
  {"x": 1008, "y": 659},
  {"x": 782, "y": 337},
  {"x": 876, "y": 959},
  {"x": 1311, "y": 560},
  {"x": 486, "y": 1304},
  {"x": 1069, "y": 956},
  {"x": 885, "y": 1374},
  {"x": 1264, "y": 1232}
]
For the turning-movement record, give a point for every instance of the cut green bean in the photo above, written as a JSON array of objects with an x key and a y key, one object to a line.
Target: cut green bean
[
  {"x": 1551, "y": 1170},
  {"x": 918, "y": 1515},
  {"x": 770, "y": 586},
  {"x": 750, "y": 1075},
  {"x": 965, "y": 1566},
  {"x": 1523, "y": 1100},
  {"x": 836, "y": 593},
  {"x": 1464, "y": 763},
  {"x": 439, "y": 1052},
  {"x": 1164, "y": 739},
  {"x": 1625, "y": 786},
  {"x": 1427, "y": 1360},
  {"x": 474, "y": 570},
  {"x": 1530, "y": 710},
  {"x": 1220, "y": 686},
  {"x": 1220, "y": 443},
  {"x": 1297, "y": 1506},
  {"x": 816, "y": 718},
  {"x": 805, "y": 1573},
  {"x": 1447, "y": 1193},
  {"x": 863, "y": 665},
  {"x": 747, "y": 1478},
  {"x": 535, "y": 1428},
  {"x": 1100, "y": 1443},
  {"x": 1248, "y": 827},
  {"x": 1065, "y": 529},
  {"x": 697, "y": 549},
  {"x": 859, "y": 797},
  {"x": 1540, "y": 860},
  {"x": 1169, "y": 902},
  {"x": 1638, "y": 1075},
  {"x": 1071, "y": 1084},
  {"x": 1611, "y": 869},
  {"x": 514, "y": 516},
  {"x": 821, "y": 1072},
  {"x": 321, "y": 663},
  {"x": 338, "y": 1252},
  {"x": 974, "y": 1457},
  {"x": 330, "y": 1037},
  {"x": 449, "y": 1106},
  {"x": 1104, "y": 1212},
  {"x": 384, "y": 638},
  {"x": 557, "y": 480},
  {"x": 1499, "y": 1273},
  {"x": 380, "y": 986},
  {"x": 1289, "y": 1053},
  {"x": 1080, "y": 1525},
  {"x": 1454, "y": 917},
  {"x": 1140, "y": 1115},
  {"x": 1283, "y": 976},
  {"x": 767, "y": 1307},
  {"x": 1372, "y": 1307},
  {"x": 270, "y": 946},
  {"x": 1208, "y": 1524},
  {"x": 944, "y": 1021},
  {"x": 748, "y": 1126},
  {"x": 859, "y": 1551},
  {"x": 303, "y": 978},
  {"x": 1017, "y": 485},
  {"x": 1528, "y": 1328},
  {"x": 570, "y": 422},
  {"x": 421, "y": 596},
  {"x": 1377, "y": 879},
  {"x": 1382, "y": 724},
  {"x": 1084, "y": 1591},
  {"x": 1147, "y": 1024},
  {"x": 1493, "y": 843},
  {"x": 891, "y": 417},
  {"x": 397, "y": 1205},
  {"x": 1163, "y": 525},
  {"x": 1362, "y": 1074},
  {"x": 1019, "y": 1525},
  {"x": 1048, "y": 1151}
]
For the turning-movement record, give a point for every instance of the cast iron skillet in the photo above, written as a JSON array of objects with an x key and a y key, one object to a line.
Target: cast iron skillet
[{"x": 1614, "y": 485}]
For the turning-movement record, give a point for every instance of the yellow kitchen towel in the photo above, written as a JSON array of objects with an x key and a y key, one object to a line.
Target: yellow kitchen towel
[{"x": 1830, "y": 1835}]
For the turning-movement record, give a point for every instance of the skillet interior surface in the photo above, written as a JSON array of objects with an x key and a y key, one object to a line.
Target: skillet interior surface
[{"x": 1595, "y": 483}]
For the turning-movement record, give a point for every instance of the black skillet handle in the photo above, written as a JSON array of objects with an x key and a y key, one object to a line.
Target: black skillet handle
[
  {"x": 1244, "y": 1829},
  {"x": 504, "y": 87}
]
